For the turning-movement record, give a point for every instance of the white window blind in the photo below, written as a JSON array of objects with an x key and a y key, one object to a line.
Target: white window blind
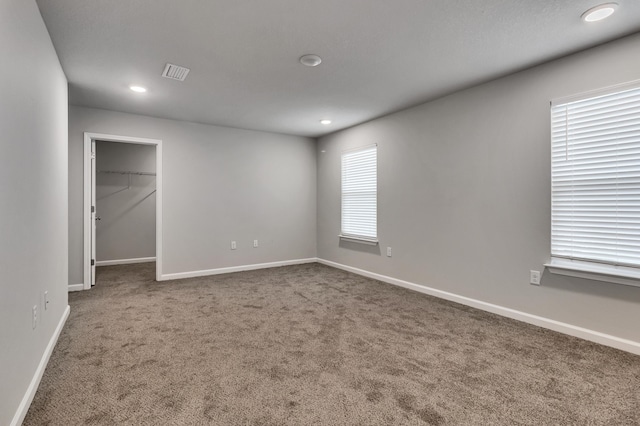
[
  {"x": 595, "y": 169},
  {"x": 360, "y": 193}
]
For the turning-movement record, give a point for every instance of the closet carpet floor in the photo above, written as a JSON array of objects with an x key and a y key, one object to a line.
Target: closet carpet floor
[{"x": 313, "y": 345}]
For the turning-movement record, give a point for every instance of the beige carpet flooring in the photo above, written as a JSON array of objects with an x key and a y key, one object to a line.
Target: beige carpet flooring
[{"x": 312, "y": 345}]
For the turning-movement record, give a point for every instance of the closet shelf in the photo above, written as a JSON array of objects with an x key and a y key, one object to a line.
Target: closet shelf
[{"x": 118, "y": 172}]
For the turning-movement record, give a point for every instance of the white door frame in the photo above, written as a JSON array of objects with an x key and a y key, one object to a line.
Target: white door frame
[{"x": 88, "y": 193}]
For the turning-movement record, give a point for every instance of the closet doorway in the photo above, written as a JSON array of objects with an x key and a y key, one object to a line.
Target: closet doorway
[{"x": 122, "y": 179}]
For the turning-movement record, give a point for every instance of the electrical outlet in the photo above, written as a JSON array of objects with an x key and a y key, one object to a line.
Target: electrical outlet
[
  {"x": 233, "y": 245},
  {"x": 34, "y": 316},
  {"x": 255, "y": 243},
  {"x": 534, "y": 277},
  {"x": 46, "y": 300},
  {"x": 388, "y": 251}
]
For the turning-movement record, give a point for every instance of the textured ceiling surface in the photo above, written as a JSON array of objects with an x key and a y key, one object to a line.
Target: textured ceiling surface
[{"x": 379, "y": 56}]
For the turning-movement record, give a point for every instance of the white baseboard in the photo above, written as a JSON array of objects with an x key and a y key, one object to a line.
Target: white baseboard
[
  {"x": 125, "y": 261},
  {"x": 572, "y": 330},
  {"x": 192, "y": 274},
  {"x": 18, "y": 418},
  {"x": 75, "y": 287}
]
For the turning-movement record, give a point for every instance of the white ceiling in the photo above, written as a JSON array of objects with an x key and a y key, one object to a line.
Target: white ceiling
[{"x": 379, "y": 56}]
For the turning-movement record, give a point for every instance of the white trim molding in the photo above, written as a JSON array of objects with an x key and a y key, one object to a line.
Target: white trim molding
[
  {"x": 125, "y": 261},
  {"x": 20, "y": 414},
  {"x": 227, "y": 270},
  {"x": 75, "y": 287},
  {"x": 572, "y": 330},
  {"x": 597, "y": 92},
  {"x": 88, "y": 138},
  {"x": 361, "y": 240},
  {"x": 595, "y": 271}
]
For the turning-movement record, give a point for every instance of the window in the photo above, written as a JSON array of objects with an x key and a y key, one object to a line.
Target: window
[
  {"x": 360, "y": 194},
  {"x": 595, "y": 179}
]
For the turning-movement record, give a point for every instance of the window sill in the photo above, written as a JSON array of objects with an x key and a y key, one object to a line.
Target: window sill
[
  {"x": 595, "y": 271},
  {"x": 361, "y": 240}
]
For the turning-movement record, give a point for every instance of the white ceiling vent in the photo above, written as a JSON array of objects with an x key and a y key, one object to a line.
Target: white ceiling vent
[{"x": 175, "y": 72}]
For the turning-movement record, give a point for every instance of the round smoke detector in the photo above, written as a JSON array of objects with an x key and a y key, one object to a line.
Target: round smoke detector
[{"x": 310, "y": 60}]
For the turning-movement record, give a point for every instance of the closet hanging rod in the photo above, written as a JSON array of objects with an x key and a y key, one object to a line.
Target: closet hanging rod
[{"x": 127, "y": 172}]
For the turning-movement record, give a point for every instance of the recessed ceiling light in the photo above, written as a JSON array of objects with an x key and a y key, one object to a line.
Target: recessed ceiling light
[
  {"x": 310, "y": 60},
  {"x": 138, "y": 89},
  {"x": 326, "y": 122},
  {"x": 600, "y": 12}
]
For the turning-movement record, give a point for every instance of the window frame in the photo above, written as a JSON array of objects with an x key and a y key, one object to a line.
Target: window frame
[
  {"x": 345, "y": 234},
  {"x": 600, "y": 270}
]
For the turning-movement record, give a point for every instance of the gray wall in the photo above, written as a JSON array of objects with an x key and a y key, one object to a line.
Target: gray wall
[
  {"x": 220, "y": 184},
  {"x": 126, "y": 204},
  {"x": 33, "y": 197},
  {"x": 464, "y": 193}
]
